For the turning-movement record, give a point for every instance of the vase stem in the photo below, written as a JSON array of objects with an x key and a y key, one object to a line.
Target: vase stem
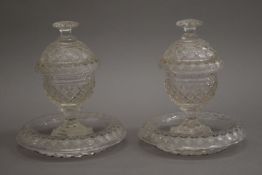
[
  {"x": 70, "y": 111},
  {"x": 71, "y": 126}
]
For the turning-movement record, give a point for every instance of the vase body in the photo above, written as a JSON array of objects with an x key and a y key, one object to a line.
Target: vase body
[
  {"x": 191, "y": 67},
  {"x": 68, "y": 67}
]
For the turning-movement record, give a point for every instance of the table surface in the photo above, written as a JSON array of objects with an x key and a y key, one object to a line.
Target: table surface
[{"x": 129, "y": 37}]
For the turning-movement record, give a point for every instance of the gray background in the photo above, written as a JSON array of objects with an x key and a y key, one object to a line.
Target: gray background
[{"x": 129, "y": 38}]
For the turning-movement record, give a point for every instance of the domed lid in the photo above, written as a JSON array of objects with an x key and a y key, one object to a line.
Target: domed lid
[
  {"x": 67, "y": 55},
  {"x": 190, "y": 54}
]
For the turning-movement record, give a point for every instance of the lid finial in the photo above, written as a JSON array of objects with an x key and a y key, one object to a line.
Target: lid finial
[
  {"x": 65, "y": 25},
  {"x": 189, "y": 25},
  {"x": 65, "y": 28}
]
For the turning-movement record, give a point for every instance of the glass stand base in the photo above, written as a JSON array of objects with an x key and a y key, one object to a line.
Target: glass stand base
[
  {"x": 171, "y": 133},
  {"x": 46, "y": 135}
]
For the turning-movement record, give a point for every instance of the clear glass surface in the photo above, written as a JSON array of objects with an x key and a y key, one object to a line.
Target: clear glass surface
[
  {"x": 38, "y": 135},
  {"x": 68, "y": 68},
  {"x": 191, "y": 66},
  {"x": 222, "y": 132}
]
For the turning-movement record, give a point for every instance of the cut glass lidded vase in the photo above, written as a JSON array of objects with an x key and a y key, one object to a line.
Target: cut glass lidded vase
[
  {"x": 191, "y": 66},
  {"x": 68, "y": 68}
]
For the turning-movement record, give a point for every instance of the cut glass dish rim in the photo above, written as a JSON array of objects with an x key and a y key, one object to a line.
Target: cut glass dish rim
[
  {"x": 31, "y": 138},
  {"x": 151, "y": 134}
]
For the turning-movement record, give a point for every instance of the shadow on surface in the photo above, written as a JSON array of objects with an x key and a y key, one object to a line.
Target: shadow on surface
[{"x": 9, "y": 145}]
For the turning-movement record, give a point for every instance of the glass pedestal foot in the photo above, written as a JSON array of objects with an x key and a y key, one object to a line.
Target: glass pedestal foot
[
  {"x": 191, "y": 128},
  {"x": 92, "y": 133},
  {"x": 72, "y": 128},
  {"x": 213, "y": 132}
]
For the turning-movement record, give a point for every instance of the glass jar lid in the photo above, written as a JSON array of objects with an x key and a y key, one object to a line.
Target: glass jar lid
[
  {"x": 190, "y": 54},
  {"x": 67, "y": 55}
]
